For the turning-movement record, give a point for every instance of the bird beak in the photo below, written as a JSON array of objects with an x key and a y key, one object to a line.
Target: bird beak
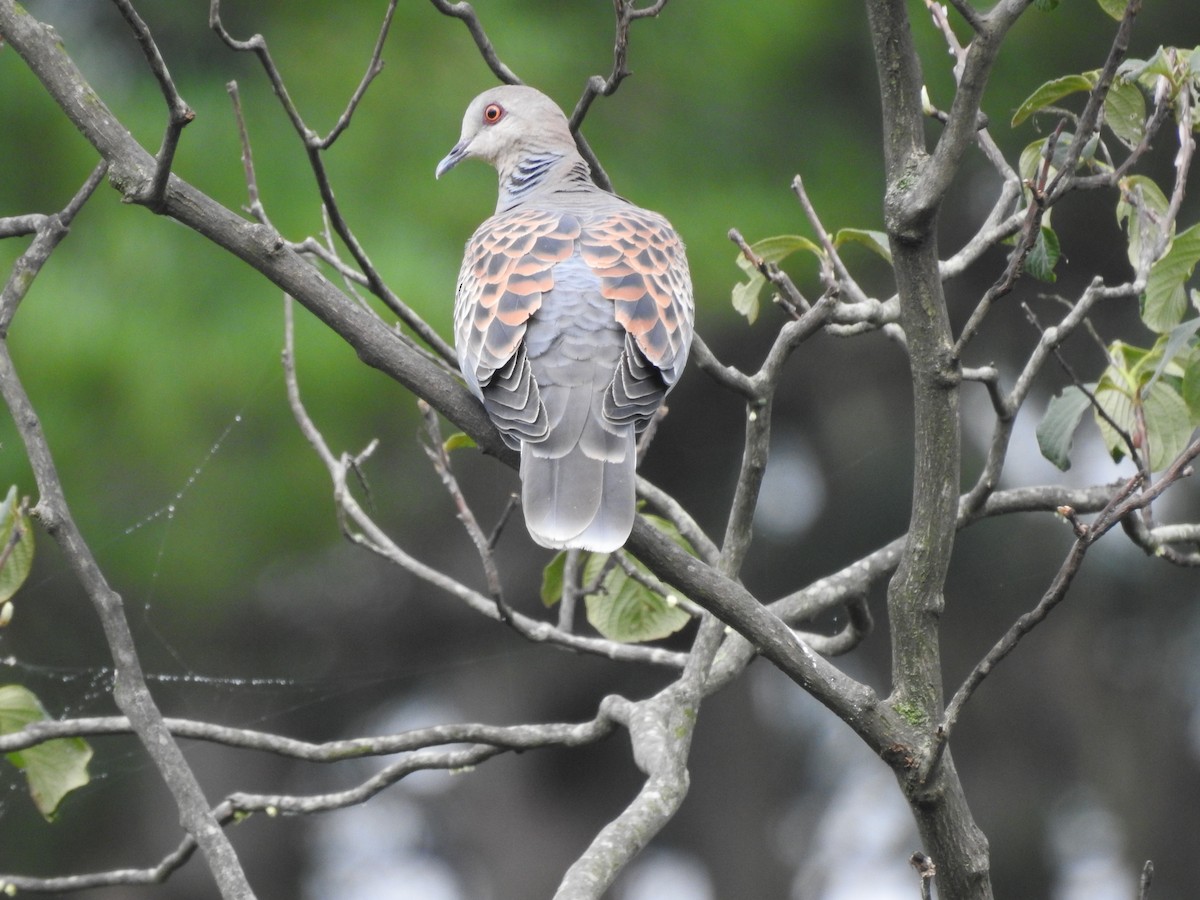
[{"x": 453, "y": 158}]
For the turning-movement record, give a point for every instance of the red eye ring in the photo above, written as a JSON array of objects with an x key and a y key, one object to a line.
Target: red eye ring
[{"x": 493, "y": 113}]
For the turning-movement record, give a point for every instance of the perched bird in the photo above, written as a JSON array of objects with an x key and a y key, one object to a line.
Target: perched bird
[{"x": 572, "y": 319}]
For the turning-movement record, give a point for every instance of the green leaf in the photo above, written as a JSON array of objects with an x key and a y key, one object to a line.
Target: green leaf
[
  {"x": 1045, "y": 5},
  {"x": 668, "y": 528},
  {"x": 16, "y": 531},
  {"x": 1052, "y": 91},
  {"x": 1191, "y": 387},
  {"x": 552, "y": 579},
  {"x": 745, "y": 296},
  {"x": 626, "y": 610},
  {"x": 1125, "y": 112},
  {"x": 1115, "y": 8},
  {"x": 1166, "y": 299},
  {"x": 52, "y": 769},
  {"x": 772, "y": 249},
  {"x": 1141, "y": 208},
  {"x": 1030, "y": 164},
  {"x": 1057, "y": 429},
  {"x": 1168, "y": 422},
  {"x": 458, "y": 441},
  {"x": 876, "y": 241},
  {"x": 1171, "y": 345},
  {"x": 1043, "y": 255}
]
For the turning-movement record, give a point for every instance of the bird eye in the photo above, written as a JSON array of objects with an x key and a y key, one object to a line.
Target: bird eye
[{"x": 493, "y": 113}]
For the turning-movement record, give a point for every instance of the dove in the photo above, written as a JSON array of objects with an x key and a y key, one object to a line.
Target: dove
[{"x": 573, "y": 317}]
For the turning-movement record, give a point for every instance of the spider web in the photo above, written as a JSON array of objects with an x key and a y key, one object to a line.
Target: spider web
[{"x": 69, "y": 691}]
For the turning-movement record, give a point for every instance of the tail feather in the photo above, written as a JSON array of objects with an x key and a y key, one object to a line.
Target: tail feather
[{"x": 575, "y": 500}]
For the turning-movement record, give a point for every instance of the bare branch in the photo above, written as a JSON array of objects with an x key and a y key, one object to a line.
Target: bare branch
[
  {"x": 179, "y": 113},
  {"x": 255, "y": 207},
  {"x": 130, "y": 691},
  {"x": 435, "y": 449},
  {"x": 844, "y": 284},
  {"x": 314, "y": 144},
  {"x": 50, "y": 231},
  {"x": 727, "y": 376},
  {"x": 374, "y": 67},
  {"x": 1125, "y": 501},
  {"x": 598, "y": 85},
  {"x": 373, "y": 538},
  {"x": 466, "y": 13}
]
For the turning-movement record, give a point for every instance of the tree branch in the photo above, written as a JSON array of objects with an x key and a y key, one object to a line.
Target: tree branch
[
  {"x": 130, "y": 690},
  {"x": 179, "y": 113}
]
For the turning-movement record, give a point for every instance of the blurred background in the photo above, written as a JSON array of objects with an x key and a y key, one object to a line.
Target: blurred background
[{"x": 153, "y": 360}]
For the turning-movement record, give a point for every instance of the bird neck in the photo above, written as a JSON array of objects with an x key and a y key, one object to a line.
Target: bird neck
[{"x": 537, "y": 175}]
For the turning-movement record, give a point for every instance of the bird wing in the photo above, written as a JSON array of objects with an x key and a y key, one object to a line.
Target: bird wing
[
  {"x": 640, "y": 261},
  {"x": 505, "y": 273}
]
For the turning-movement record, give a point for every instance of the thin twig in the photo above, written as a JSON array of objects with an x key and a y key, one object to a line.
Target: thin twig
[
  {"x": 1090, "y": 118},
  {"x": 314, "y": 145},
  {"x": 130, "y": 690},
  {"x": 1030, "y": 231},
  {"x": 773, "y": 274},
  {"x": 926, "y": 870},
  {"x": 53, "y": 229},
  {"x": 368, "y": 534},
  {"x": 374, "y": 67},
  {"x": 484, "y": 742},
  {"x": 1124, "y": 502},
  {"x": 435, "y": 449},
  {"x": 466, "y": 13},
  {"x": 598, "y": 85},
  {"x": 844, "y": 283},
  {"x": 255, "y": 206},
  {"x": 179, "y": 113}
]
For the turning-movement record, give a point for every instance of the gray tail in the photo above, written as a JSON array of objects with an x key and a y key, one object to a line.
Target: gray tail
[{"x": 575, "y": 500}]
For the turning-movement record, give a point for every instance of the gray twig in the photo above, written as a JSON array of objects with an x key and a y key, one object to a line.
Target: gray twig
[{"x": 179, "y": 113}]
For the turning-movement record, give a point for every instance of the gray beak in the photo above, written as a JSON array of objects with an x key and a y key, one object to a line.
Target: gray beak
[{"x": 453, "y": 158}]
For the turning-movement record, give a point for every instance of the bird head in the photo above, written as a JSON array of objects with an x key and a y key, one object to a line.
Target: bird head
[{"x": 506, "y": 123}]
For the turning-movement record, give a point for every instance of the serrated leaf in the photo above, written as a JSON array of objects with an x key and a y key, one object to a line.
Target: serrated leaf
[
  {"x": 1056, "y": 431},
  {"x": 1043, "y": 255},
  {"x": 1168, "y": 423},
  {"x": 52, "y": 769},
  {"x": 1141, "y": 209},
  {"x": 458, "y": 441},
  {"x": 1052, "y": 91},
  {"x": 1125, "y": 112},
  {"x": 1115, "y": 8},
  {"x": 875, "y": 241},
  {"x": 626, "y": 610},
  {"x": 16, "y": 531},
  {"x": 1166, "y": 299}
]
